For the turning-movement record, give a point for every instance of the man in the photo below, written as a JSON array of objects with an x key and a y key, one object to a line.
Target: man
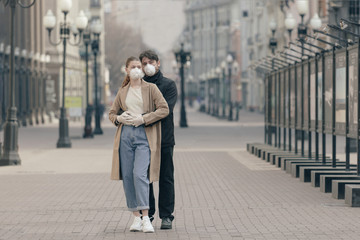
[{"x": 151, "y": 64}]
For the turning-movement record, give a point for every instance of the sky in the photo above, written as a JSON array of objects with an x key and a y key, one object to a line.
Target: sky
[{"x": 159, "y": 21}]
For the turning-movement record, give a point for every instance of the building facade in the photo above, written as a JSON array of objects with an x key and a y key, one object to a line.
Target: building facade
[
  {"x": 30, "y": 64},
  {"x": 38, "y": 64},
  {"x": 241, "y": 27}
]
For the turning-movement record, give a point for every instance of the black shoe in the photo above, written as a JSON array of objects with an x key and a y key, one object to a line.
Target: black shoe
[{"x": 166, "y": 223}]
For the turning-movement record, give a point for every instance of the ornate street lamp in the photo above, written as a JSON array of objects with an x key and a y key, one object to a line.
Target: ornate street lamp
[
  {"x": 303, "y": 9},
  {"x": 96, "y": 30},
  {"x": 11, "y": 155},
  {"x": 49, "y": 23},
  {"x": 315, "y": 22},
  {"x": 273, "y": 42},
  {"x": 290, "y": 24},
  {"x": 182, "y": 56}
]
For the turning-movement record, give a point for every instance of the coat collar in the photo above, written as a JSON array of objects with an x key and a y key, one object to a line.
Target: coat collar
[
  {"x": 144, "y": 92},
  {"x": 155, "y": 78}
]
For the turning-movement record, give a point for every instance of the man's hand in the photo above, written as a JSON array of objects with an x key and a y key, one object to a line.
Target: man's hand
[{"x": 125, "y": 118}]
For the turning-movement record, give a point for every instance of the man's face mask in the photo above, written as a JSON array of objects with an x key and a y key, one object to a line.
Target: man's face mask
[{"x": 149, "y": 69}]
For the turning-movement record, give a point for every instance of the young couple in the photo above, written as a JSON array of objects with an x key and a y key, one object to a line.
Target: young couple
[{"x": 144, "y": 140}]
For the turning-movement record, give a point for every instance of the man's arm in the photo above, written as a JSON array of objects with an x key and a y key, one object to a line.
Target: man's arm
[{"x": 171, "y": 95}]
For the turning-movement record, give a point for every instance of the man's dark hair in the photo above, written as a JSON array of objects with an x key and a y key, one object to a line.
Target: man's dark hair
[{"x": 150, "y": 54}]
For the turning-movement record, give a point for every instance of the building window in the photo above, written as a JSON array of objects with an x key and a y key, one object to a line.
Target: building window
[
  {"x": 95, "y": 3},
  {"x": 245, "y": 14},
  {"x": 354, "y": 10}
]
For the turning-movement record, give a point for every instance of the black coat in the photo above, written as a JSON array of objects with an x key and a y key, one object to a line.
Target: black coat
[{"x": 168, "y": 89}]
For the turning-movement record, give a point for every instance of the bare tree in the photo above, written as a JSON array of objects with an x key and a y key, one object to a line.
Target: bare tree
[{"x": 121, "y": 42}]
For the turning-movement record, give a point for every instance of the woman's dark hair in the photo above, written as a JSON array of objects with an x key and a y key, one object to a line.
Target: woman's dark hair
[
  {"x": 127, "y": 78},
  {"x": 150, "y": 54}
]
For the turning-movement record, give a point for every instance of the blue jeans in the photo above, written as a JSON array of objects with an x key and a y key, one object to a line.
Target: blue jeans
[{"x": 134, "y": 163}]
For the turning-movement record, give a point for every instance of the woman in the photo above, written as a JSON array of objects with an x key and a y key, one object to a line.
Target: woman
[{"x": 136, "y": 112}]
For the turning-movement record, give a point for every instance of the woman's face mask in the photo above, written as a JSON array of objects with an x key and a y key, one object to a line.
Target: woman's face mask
[
  {"x": 136, "y": 73},
  {"x": 149, "y": 69}
]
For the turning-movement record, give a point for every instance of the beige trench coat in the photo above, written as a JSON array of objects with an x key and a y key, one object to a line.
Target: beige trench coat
[{"x": 155, "y": 108}]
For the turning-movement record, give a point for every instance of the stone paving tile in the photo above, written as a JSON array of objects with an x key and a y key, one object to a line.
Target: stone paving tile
[
  {"x": 216, "y": 198},
  {"x": 222, "y": 192}
]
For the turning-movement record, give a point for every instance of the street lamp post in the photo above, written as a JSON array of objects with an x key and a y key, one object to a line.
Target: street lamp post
[
  {"x": 11, "y": 155},
  {"x": 6, "y": 68},
  {"x": 235, "y": 67},
  {"x": 182, "y": 56},
  {"x": 35, "y": 87},
  {"x": 96, "y": 30},
  {"x": 230, "y": 60},
  {"x": 17, "y": 78},
  {"x": 209, "y": 91},
  {"x": 23, "y": 81},
  {"x": 273, "y": 45},
  {"x": 81, "y": 23},
  {"x": 290, "y": 23},
  {"x": 232, "y": 67},
  {"x": 87, "y": 130},
  {"x": 29, "y": 74},
  {"x": 218, "y": 75},
  {"x": 2, "y": 86},
  {"x": 42, "y": 83},
  {"x": 303, "y": 9},
  {"x": 223, "y": 67}
]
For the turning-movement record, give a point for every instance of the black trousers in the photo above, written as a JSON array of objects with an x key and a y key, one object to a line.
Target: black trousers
[{"x": 166, "y": 186}]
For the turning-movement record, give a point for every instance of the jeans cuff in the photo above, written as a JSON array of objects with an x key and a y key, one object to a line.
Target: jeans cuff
[
  {"x": 143, "y": 208},
  {"x": 133, "y": 209}
]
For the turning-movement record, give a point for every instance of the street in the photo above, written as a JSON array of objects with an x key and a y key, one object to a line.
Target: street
[{"x": 222, "y": 192}]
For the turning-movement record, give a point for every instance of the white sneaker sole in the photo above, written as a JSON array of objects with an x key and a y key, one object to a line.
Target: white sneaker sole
[
  {"x": 135, "y": 230},
  {"x": 148, "y": 231}
]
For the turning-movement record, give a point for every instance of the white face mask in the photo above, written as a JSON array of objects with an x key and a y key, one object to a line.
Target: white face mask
[
  {"x": 136, "y": 73},
  {"x": 150, "y": 70}
]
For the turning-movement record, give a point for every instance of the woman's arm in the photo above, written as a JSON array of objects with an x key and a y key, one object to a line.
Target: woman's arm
[
  {"x": 161, "y": 107},
  {"x": 115, "y": 108}
]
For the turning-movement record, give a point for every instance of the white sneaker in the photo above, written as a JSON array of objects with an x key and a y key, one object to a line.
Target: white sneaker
[
  {"x": 136, "y": 225},
  {"x": 147, "y": 227}
]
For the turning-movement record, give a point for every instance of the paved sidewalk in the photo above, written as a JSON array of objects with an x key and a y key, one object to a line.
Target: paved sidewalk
[{"x": 222, "y": 192}]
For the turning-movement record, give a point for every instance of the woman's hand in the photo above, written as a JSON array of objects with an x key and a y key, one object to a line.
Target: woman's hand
[
  {"x": 125, "y": 118},
  {"x": 138, "y": 120}
]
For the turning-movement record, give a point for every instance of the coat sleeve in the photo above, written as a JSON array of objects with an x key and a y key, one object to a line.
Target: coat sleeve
[
  {"x": 161, "y": 107},
  {"x": 115, "y": 109},
  {"x": 171, "y": 96}
]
